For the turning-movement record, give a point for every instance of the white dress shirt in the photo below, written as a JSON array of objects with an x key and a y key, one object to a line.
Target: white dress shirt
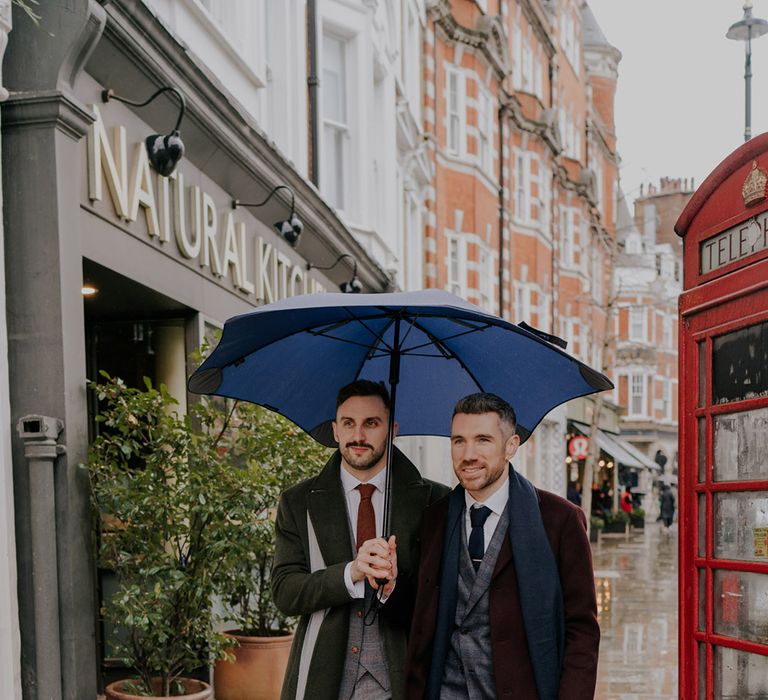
[
  {"x": 496, "y": 502},
  {"x": 349, "y": 483}
]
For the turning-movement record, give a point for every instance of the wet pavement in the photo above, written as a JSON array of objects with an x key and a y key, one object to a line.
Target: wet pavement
[{"x": 636, "y": 582}]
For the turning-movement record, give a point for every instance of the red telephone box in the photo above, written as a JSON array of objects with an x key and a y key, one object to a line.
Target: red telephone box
[{"x": 724, "y": 431}]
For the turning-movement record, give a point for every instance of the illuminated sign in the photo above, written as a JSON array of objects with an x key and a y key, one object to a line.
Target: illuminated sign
[{"x": 578, "y": 447}]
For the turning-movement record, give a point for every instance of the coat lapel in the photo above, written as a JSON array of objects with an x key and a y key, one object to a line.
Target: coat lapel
[{"x": 327, "y": 508}]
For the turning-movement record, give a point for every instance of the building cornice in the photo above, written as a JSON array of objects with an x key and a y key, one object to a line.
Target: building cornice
[
  {"x": 488, "y": 36},
  {"x": 47, "y": 109}
]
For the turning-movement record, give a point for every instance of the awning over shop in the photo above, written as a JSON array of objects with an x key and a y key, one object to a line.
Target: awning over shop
[{"x": 619, "y": 449}]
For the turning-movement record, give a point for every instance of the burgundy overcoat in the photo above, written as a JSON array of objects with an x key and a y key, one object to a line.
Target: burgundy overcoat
[{"x": 565, "y": 526}]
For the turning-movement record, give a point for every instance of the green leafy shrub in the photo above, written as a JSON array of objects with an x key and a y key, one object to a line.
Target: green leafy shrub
[{"x": 185, "y": 506}]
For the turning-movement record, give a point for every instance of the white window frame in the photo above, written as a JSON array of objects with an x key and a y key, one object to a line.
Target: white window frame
[
  {"x": 523, "y": 302},
  {"x": 567, "y": 237},
  {"x": 638, "y": 324},
  {"x": 527, "y": 66},
  {"x": 485, "y": 130},
  {"x": 338, "y": 194},
  {"x": 456, "y": 115},
  {"x": 456, "y": 264},
  {"x": 667, "y": 331},
  {"x": 517, "y": 58},
  {"x": 666, "y": 399},
  {"x": 523, "y": 186},
  {"x": 485, "y": 274},
  {"x": 635, "y": 381}
]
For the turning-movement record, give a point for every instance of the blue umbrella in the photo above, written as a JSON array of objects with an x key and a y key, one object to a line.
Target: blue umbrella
[{"x": 431, "y": 347}]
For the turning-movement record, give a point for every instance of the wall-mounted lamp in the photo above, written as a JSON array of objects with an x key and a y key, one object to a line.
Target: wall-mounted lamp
[
  {"x": 354, "y": 286},
  {"x": 89, "y": 289},
  {"x": 290, "y": 228},
  {"x": 165, "y": 151}
]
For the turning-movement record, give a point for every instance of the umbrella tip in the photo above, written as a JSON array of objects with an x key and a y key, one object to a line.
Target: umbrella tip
[
  {"x": 205, "y": 381},
  {"x": 598, "y": 381}
]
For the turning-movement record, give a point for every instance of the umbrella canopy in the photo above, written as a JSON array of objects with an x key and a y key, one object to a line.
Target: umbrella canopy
[{"x": 292, "y": 357}]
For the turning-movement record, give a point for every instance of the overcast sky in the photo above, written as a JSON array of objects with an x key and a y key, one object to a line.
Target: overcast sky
[{"x": 680, "y": 98}]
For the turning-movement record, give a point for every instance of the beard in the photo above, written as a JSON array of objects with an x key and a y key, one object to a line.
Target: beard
[{"x": 365, "y": 461}]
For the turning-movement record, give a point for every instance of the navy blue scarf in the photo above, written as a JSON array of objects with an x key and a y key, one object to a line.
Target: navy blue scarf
[{"x": 538, "y": 580}]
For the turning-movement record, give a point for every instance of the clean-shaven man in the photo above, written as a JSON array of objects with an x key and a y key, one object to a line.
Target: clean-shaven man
[
  {"x": 505, "y": 605},
  {"x": 328, "y": 557}
]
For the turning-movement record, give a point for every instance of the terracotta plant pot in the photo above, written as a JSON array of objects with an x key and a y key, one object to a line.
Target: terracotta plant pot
[
  {"x": 258, "y": 670},
  {"x": 195, "y": 690}
]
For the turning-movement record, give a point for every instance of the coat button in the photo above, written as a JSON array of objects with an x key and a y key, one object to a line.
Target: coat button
[
  {"x": 355, "y": 650},
  {"x": 359, "y": 613}
]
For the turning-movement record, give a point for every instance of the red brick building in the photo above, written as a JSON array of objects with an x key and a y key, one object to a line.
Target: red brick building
[{"x": 521, "y": 218}]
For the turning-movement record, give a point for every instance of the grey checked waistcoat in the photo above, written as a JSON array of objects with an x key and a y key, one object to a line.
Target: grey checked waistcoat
[
  {"x": 365, "y": 650},
  {"x": 469, "y": 665}
]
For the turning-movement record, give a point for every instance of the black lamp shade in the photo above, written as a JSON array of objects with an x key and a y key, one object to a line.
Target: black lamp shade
[
  {"x": 165, "y": 152},
  {"x": 290, "y": 230},
  {"x": 354, "y": 286}
]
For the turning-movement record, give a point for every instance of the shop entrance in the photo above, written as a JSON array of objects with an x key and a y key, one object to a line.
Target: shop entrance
[{"x": 132, "y": 332}]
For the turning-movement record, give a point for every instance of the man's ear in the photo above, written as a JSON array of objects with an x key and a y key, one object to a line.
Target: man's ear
[
  {"x": 335, "y": 435},
  {"x": 510, "y": 447},
  {"x": 394, "y": 431}
]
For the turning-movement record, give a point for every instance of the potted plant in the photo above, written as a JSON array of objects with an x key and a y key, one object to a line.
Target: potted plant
[
  {"x": 637, "y": 517},
  {"x": 595, "y": 525},
  {"x": 616, "y": 522},
  {"x": 166, "y": 500},
  {"x": 272, "y": 454}
]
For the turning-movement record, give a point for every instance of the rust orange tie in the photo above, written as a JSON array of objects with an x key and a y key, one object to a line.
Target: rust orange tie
[{"x": 366, "y": 518}]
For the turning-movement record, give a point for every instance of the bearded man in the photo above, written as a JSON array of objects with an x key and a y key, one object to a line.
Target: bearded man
[
  {"x": 505, "y": 605},
  {"x": 329, "y": 559}
]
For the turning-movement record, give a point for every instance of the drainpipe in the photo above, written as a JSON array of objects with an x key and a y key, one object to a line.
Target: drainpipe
[
  {"x": 41, "y": 449},
  {"x": 501, "y": 111},
  {"x": 312, "y": 85}
]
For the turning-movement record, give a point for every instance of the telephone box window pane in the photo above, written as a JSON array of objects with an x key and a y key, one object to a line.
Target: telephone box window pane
[
  {"x": 740, "y": 364},
  {"x": 702, "y": 373},
  {"x": 702, "y": 428},
  {"x": 741, "y": 445},
  {"x": 702, "y": 600},
  {"x": 702, "y": 671},
  {"x": 741, "y": 605},
  {"x": 702, "y": 505},
  {"x": 740, "y": 675},
  {"x": 741, "y": 526}
]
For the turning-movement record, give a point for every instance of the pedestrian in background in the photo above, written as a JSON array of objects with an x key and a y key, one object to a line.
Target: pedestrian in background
[
  {"x": 667, "y": 505},
  {"x": 626, "y": 501}
]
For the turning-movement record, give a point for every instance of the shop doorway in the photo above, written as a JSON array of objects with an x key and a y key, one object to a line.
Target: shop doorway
[{"x": 131, "y": 332}]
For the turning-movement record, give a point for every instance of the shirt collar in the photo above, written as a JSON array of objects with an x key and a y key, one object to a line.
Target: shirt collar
[
  {"x": 350, "y": 483},
  {"x": 496, "y": 501}
]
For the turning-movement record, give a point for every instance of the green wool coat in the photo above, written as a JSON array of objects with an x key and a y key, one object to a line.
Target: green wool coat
[{"x": 297, "y": 591}]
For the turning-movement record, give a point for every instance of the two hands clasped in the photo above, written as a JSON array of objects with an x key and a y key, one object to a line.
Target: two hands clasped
[{"x": 377, "y": 559}]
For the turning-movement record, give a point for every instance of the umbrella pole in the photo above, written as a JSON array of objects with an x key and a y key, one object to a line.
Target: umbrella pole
[{"x": 394, "y": 378}]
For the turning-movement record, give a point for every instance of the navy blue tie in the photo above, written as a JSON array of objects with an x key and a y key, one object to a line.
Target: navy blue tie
[{"x": 477, "y": 515}]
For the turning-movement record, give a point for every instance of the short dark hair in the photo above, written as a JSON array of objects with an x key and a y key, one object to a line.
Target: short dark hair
[
  {"x": 483, "y": 402},
  {"x": 363, "y": 387}
]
